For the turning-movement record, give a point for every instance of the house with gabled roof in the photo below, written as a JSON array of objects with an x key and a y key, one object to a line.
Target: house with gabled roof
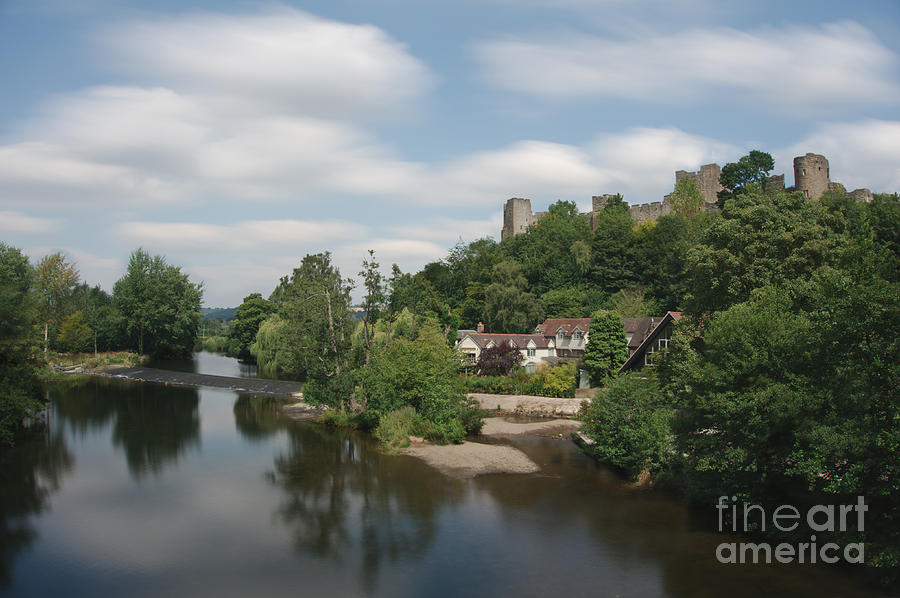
[
  {"x": 535, "y": 348},
  {"x": 649, "y": 338},
  {"x": 569, "y": 335}
]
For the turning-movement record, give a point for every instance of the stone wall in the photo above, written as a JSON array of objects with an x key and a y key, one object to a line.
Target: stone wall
[{"x": 811, "y": 176}]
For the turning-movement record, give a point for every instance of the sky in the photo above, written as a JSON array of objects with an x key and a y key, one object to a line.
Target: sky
[{"x": 235, "y": 137}]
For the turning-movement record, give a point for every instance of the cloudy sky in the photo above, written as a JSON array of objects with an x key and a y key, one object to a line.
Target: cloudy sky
[{"x": 234, "y": 137}]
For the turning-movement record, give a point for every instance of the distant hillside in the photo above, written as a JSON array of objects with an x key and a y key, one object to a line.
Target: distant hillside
[{"x": 218, "y": 313}]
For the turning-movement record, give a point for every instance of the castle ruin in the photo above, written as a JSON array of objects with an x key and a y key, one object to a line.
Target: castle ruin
[{"x": 811, "y": 178}]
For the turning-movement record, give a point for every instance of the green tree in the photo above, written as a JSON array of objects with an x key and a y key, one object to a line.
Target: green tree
[
  {"x": 607, "y": 348},
  {"x": 19, "y": 392},
  {"x": 74, "y": 335},
  {"x": 55, "y": 279},
  {"x": 613, "y": 249},
  {"x": 316, "y": 337},
  {"x": 631, "y": 426},
  {"x": 159, "y": 305},
  {"x": 252, "y": 311},
  {"x": 687, "y": 200},
  {"x": 765, "y": 239},
  {"x": 738, "y": 177},
  {"x": 373, "y": 302},
  {"x": 633, "y": 303},
  {"x": 660, "y": 256},
  {"x": 507, "y": 306},
  {"x": 422, "y": 374},
  {"x": 567, "y": 302},
  {"x": 555, "y": 251}
]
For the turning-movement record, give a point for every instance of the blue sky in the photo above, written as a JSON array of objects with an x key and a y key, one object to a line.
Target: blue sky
[{"x": 235, "y": 137}]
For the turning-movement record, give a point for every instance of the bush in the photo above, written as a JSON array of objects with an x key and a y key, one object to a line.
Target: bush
[
  {"x": 558, "y": 381},
  {"x": 421, "y": 374},
  {"x": 396, "y": 427},
  {"x": 630, "y": 425}
]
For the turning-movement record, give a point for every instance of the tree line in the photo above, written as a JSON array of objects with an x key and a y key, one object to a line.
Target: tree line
[{"x": 47, "y": 308}]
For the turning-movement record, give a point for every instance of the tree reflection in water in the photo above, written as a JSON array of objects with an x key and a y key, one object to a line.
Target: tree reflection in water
[
  {"x": 256, "y": 417},
  {"x": 154, "y": 425},
  {"x": 345, "y": 499},
  {"x": 29, "y": 473}
]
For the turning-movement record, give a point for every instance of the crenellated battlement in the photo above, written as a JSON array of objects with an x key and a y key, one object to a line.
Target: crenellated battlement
[{"x": 811, "y": 176}]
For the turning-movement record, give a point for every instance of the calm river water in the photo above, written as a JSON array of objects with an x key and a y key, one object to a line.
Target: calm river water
[{"x": 142, "y": 490}]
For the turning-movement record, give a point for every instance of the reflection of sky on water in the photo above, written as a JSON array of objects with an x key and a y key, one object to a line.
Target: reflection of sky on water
[{"x": 225, "y": 499}]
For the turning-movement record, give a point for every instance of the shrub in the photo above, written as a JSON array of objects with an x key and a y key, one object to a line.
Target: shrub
[
  {"x": 560, "y": 381},
  {"x": 396, "y": 427},
  {"x": 630, "y": 425}
]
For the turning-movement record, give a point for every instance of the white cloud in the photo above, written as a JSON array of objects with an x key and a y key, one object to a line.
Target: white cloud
[
  {"x": 254, "y": 234},
  {"x": 284, "y": 60},
  {"x": 17, "y": 223},
  {"x": 796, "y": 68},
  {"x": 860, "y": 154}
]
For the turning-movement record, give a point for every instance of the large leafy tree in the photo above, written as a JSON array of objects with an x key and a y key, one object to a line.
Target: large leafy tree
[
  {"x": 508, "y": 307},
  {"x": 19, "y": 392},
  {"x": 738, "y": 177},
  {"x": 765, "y": 239},
  {"x": 613, "y": 249},
  {"x": 55, "y": 278},
  {"x": 554, "y": 252},
  {"x": 252, "y": 311},
  {"x": 787, "y": 380},
  {"x": 160, "y": 306},
  {"x": 315, "y": 306},
  {"x": 607, "y": 348},
  {"x": 419, "y": 373}
]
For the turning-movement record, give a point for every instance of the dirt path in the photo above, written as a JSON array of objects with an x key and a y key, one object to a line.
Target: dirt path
[
  {"x": 498, "y": 426},
  {"x": 528, "y": 405}
]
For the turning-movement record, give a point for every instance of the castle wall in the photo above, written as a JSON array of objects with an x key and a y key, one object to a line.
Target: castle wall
[{"x": 811, "y": 173}]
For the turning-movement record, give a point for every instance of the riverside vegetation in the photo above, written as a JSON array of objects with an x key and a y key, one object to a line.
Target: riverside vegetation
[{"x": 780, "y": 385}]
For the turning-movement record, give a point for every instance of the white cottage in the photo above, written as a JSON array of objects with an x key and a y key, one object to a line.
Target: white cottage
[{"x": 535, "y": 348}]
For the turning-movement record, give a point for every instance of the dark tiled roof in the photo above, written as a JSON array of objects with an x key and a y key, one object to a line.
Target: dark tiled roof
[
  {"x": 521, "y": 340},
  {"x": 552, "y": 325}
]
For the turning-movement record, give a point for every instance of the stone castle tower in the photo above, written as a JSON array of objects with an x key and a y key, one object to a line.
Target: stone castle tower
[
  {"x": 517, "y": 217},
  {"x": 707, "y": 179},
  {"x": 811, "y": 175}
]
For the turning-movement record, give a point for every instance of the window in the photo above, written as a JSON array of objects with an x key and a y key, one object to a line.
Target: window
[
  {"x": 531, "y": 352},
  {"x": 560, "y": 334},
  {"x": 576, "y": 336}
]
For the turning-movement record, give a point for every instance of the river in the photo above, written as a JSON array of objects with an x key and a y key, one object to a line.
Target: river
[{"x": 146, "y": 490}]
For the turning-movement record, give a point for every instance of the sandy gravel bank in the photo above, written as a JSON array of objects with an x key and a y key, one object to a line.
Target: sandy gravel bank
[
  {"x": 498, "y": 426},
  {"x": 526, "y": 404},
  {"x": 470, "y": 459}
]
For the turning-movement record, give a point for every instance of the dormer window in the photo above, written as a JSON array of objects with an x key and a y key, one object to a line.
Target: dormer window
[
  {"x": 577, "y": 335},
  {"x": 560, "y": 334}
]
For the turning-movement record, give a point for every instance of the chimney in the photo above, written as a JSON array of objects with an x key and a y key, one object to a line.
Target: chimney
[{"x": 480, "y": 327}]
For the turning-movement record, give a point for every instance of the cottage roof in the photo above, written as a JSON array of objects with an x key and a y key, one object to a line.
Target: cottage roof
[
  {"x": 482, "y": 339},
  {"x": 656, "y": 325},
  {"x": 552, "y": 325}
]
